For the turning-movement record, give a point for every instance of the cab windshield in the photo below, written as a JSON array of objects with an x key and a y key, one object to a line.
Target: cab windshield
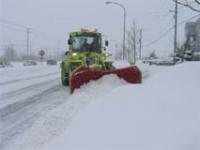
[{"x": 86, "y": 43}]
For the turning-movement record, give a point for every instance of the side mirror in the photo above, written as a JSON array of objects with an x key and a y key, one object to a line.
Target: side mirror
[
  {"x": 66, "y": 53},
  {"x": 69, "y": 42},
  {"x": 106, "y": 43}
]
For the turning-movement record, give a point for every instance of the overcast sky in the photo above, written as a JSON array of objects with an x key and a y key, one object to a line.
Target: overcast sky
[{"x": 51, "y": 21}]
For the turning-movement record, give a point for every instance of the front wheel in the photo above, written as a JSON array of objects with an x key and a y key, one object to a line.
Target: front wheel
[
  {"x": 109, "y": 66},
  {"x": 64, "y": 78}
]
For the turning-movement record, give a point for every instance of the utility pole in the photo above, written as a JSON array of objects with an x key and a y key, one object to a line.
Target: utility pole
[
  {"x": 134, "y": 46},
  {"x": 57, "y": 50},
  {"x": 140, "y": 48},
  {"x": 124, "y": 28},
  {"x": 28, "y": 42},
  {"x": 124, "y": 34},
  {"x": 115, "y": 52},
  {"x": 175, "y": 28}
]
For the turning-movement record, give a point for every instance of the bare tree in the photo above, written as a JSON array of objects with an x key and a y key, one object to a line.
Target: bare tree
[
  {"x": 132, "y": 40},
  {"x": 10, "y": 53},
  {"x": 118, "y": 52},
  {"x": 189, "y": 4}
]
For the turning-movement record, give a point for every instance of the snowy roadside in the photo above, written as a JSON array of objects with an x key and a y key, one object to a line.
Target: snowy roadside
[
  {"x": 146, "y": 70},
  {"x": 35, "y": 108},
  {"x": 20, "y": 82},
  {"x": 19, "y": 72},
  {"x": 50, "y": 119},
  {"x": 28, "y": 95},
  {"x": 162, "y": 113},
  {"x": 105, "y": 114}
]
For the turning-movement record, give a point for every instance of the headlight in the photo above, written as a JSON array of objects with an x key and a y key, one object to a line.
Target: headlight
[
  {"x": 108, "y": 54},
  {"x": 74, "y": 54}
]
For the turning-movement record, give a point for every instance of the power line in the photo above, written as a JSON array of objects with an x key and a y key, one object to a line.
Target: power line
[
  {"x": 160, "y": 37},
  {"x": 10, "y": 24},
  {"x": 168, "y": 30},
  {"x": 27, "y": 32},
  {"x": 13, "y": 24},
  {"x": 10, "y": 27},
  {"x": 184, "y": 21},
  {"x": 14, "y": 44}
]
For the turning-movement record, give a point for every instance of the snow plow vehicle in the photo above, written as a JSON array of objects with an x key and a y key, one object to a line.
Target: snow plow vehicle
[{"x": 86, "y": 60}]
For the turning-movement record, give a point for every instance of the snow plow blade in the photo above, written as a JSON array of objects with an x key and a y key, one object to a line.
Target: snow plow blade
[{"x": 84, "y": 74}]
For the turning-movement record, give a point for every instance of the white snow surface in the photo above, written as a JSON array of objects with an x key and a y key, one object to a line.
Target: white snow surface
[
  {"x": 162, "y": 113},
  {"x": 18, "y": 71},
  {"x": 19, "y": 78},
  {"x": 28, "y": 97},
  {"x": 38, "y": 113},
  {"x": 35, "y": 108}
]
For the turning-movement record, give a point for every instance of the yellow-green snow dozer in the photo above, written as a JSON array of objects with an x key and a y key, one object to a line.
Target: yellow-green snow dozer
[{"x": 87, "y": 61}]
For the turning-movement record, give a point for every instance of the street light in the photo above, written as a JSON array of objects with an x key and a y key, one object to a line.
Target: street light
[{"x": 124, "y": 33}]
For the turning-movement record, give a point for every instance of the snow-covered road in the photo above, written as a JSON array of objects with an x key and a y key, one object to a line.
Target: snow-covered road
[
  {"x": 35, "y": 107},
  {"x": 27, "y": 104}
]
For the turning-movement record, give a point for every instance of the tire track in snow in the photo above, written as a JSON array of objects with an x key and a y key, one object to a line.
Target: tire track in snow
[
  {"x": 21, "y": 116},
  {"x": 11, "y": 108},
  {"x": 8, "y": 135},
  {"x": 28, "y": 78},
  {"x": 35, "y": 123},
  {"x": 23, "y": 90}
]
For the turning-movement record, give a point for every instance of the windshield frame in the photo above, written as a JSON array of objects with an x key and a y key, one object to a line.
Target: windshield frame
[{"x": 94, "y": 45}]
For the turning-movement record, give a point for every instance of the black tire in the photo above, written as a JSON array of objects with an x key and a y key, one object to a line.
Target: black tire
[
  {"x": 110, "y": 67},
  {"x": 65, "y": 79},
  {"x": 113, "y": 67},
  {"x": 65, "y": 82}
]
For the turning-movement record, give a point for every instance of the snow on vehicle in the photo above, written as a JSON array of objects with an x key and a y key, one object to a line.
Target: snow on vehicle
[{"x": 87, "y": 61}]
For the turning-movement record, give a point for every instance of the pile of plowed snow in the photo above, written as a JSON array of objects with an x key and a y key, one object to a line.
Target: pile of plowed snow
[{"x": 163, "y": 113}]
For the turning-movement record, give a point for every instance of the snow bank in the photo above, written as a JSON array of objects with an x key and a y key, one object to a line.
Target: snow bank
[
  {"x": 160, "y": 114},
  {"x": 144, "y": 68},
  {"x": 121, "y": 63},
  {"x": 100, "y": 87}
]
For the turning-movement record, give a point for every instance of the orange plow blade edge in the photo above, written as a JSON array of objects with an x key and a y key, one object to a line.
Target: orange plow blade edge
[{"x": 85, "y": 74}]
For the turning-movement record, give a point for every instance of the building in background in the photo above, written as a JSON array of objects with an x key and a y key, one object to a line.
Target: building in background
[{"x": 192, "y": 44}]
